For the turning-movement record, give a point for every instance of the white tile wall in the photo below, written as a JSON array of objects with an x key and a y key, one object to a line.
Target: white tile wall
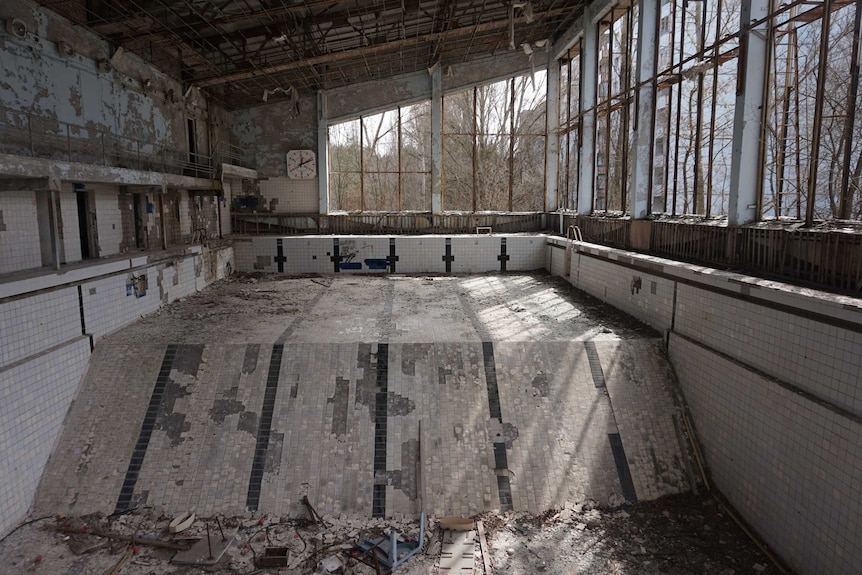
[
  {"x": 416, "y": 254},
  {"x": 285, "y": 196},
  {"x": 652, "y": 303},
  {"x": 19, "y": 242},
  {"x": 820, "y": 358},
  {"x": 34, "y": 399},
  {"x": 791, "y": 467},
  {"x": 109, "y": 304},
  {"x": 31, "y": 325},
  {"x": 109, "y": 222}
]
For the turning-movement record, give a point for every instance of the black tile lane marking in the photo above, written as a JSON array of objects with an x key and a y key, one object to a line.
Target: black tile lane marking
[
  {"x": 595, "y": 364},
  {"x": 503, "y": 257},
  {"x": 279, "y": 254},
  {"x": 124, "y": 501},
  {"x": 378, "y": 496},
  {"x": 264, "y": 428},
  {"x": 623, "y": 470},
  {"x": 392, "y": 257},
  {"x": 616, "y": 441},
  {"x": 448, "y": 257},
  {"x": 501, "y": 462},
  {"x": 336, "y": 257}
]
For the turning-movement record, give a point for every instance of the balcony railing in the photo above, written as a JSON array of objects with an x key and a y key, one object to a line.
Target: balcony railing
[{"x": 26, "y": 134}]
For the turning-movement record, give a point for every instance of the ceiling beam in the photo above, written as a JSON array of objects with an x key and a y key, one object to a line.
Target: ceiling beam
[
  {"x": 369, "y": 50},
  {"x": 266, "y": 14}
]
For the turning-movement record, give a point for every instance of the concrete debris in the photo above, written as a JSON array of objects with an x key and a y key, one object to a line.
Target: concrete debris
[{"x": 648, "y": 538}]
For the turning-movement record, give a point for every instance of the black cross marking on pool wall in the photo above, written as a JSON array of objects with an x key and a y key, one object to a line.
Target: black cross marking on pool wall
[
  {"x": 392, "y": 257},
  {"x": 448, "y": 258},
  {"x": 279, "y": 254},
  {"x": 503, "y": 258},
  {"x": 336, "y": 256}
]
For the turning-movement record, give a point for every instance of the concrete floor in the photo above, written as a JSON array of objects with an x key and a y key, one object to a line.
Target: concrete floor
[{"x": 258, "y": 391}]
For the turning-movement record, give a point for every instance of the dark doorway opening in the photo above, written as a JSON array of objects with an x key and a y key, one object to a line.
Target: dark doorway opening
[{"x": 84, "y": 224}]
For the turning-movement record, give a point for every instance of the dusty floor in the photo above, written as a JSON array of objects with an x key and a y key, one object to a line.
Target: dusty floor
[
  {"x": 680, "y": 534},
  {"x": 514, "y": 398}
]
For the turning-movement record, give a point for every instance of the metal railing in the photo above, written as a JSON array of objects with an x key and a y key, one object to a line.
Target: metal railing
[
  {"x": 825, "y": 258},
  {"x": 26, "y": 134},
  {"x": 385, "y": 223}
]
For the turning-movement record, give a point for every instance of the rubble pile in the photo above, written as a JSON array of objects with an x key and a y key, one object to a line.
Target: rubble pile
[{"x": 673, "y": 535}]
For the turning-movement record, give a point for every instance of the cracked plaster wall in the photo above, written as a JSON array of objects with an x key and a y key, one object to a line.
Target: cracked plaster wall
[
  {"x": 267, "y": 133},
  {"x": 54, "y": 88}
]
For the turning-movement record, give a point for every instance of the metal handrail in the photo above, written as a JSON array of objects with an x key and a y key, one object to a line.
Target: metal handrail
[{"x": 27, "y": 134}]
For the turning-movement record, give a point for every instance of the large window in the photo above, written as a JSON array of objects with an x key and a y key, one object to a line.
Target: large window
[
  {"x": 494, "y": 146},
  {"x": 813, "y": 155},
  {"x": 570, "y": 127},
  {"x": 382, "y": 162}
]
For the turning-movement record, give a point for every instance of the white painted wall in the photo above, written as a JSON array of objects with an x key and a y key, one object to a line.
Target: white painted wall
[
  {"x": 19, "y": 234},
  {"x": 772, "y": 374}
]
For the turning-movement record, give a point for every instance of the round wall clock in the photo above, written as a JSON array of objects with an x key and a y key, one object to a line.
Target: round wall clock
[{"x": 301, "y": 165}]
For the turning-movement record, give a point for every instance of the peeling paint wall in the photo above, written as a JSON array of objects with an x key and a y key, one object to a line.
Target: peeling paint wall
[
  {"x": 95, "y": 90},
  {"x": 268, "y": 132}
]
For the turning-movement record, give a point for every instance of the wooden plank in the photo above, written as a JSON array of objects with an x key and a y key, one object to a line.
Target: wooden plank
[{"x": 483, "y": 544}]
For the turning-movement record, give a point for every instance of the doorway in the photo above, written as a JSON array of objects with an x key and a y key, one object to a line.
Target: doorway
[{"x": 86, "y": 225}]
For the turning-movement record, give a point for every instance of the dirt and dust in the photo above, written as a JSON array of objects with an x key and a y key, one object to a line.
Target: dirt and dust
[{"x": 683, "y": 534}]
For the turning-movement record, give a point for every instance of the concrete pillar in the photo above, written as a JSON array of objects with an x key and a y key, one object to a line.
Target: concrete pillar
[
  {"x": 589, "y": 72},
  {"x": 322, "y": 154},
  {"x": 745, "y": 165},
  {"x": 436, "y": 140},
  {"x": 642, "y": 156},
  {"x": 164, "y": 228},
  {"x": 54, "y": 199},
  {"x": 552, "y": 142}
]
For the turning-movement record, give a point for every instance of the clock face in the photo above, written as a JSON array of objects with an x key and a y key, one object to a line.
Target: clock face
[{"x": 301, "y": 164}]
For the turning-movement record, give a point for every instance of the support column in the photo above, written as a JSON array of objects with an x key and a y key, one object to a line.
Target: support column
[
  {"x": 436, "y": 140},
  {"x": 54, "y": 211},
  {"x": 589, "y": 64},
  {"x": 322, "y": 154},
  {"x": 746, "y": 152},
  {"x": 162, "y": 224},
  {"x": 642, "y": 157},
  {"x": 552, "y": 141}
]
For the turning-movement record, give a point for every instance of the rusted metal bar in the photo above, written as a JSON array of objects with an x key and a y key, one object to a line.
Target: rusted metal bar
[
  {"x": 713, "y": 109},
  {"x": 400, "y": 176},
  {"x": 678, "y": 119},
  {"x": 511, "y": 143},
  {"x": 818, "y": 112},
  {"x": 361, "y": 164},
  {"x": 698, "y": 129},
  {"x": 852, "y": 93},
  {"x": 568, "y": 156},
  {"x": 625, "y": 136},
  {"x": 475, "y": 152},
  {"x": 119, "y": 537}
]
